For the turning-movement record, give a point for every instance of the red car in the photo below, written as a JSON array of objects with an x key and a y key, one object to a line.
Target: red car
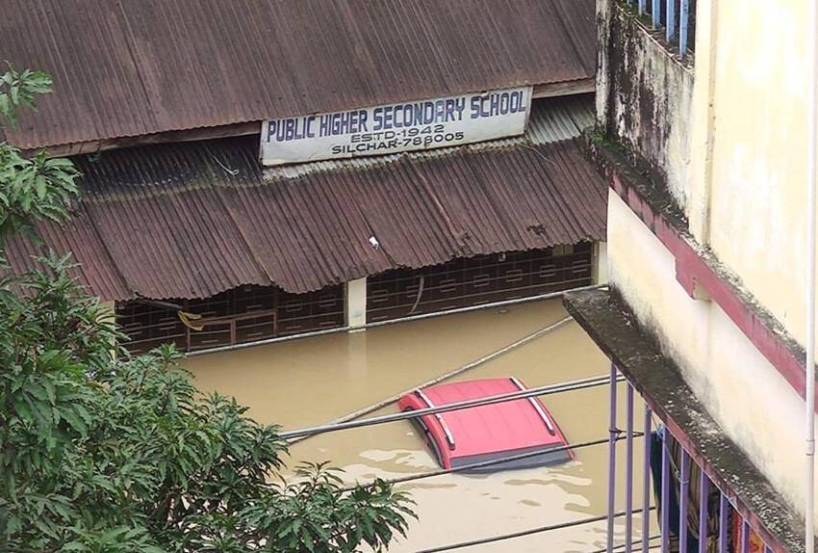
[{"x": 488, "y": 432}]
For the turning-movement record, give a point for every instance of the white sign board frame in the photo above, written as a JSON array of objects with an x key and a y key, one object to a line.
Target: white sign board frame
[{"x": 393, "y": 128}]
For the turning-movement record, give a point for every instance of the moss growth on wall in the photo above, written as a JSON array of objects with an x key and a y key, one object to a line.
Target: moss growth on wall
[{"x": 649, "y": 97}]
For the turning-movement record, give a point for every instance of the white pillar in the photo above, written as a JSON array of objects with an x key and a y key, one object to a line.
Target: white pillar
[
  {"x": 355, "y": 304},
  {"x": 599, "y": 263}
]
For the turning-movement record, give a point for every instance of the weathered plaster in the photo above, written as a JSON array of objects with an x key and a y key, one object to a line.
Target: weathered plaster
[
  {"x": 743, "y": 391},
  {"x": 698, "y": 271},
  {"x": 604, "y": 9},
  {"x": 649, "y": 94},
  {"x": 703, "y": 121},
  {"x": 728, "y": 222},
  {"x": 729, "y": 143},
  {"x": 758, "y": 215}
]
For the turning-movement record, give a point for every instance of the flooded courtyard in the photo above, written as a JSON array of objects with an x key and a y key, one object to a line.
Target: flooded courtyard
[{"x": 316, "y": 380}]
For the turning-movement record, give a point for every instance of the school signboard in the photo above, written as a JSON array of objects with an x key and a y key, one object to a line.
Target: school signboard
[{"x": 393, "y": 128}]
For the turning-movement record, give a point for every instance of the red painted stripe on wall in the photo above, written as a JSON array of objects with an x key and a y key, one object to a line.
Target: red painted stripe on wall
[{"x": 696, "y": 274}]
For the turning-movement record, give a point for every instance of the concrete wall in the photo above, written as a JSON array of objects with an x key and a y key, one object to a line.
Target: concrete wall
[
  {"x": 758, "y": 197},
  {"x": 644, "y": 96},
  {"x": 728, "y": 137},
  {"x": 751, "y": 401}
]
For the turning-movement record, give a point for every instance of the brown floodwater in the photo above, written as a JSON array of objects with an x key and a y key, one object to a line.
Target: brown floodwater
[{"x": 315, "y": 380}]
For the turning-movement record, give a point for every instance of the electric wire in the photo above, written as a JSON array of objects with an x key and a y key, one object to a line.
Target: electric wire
[
  {"x": 529, "y": 393},
  {"x": 457, "y": 406},
  {"x": 621, "y": 546},
  {"x": 492, "y": 462},
  {"x": 523, "y": 533},
  {"x": 533, "y": 392},
  {"x": 446, "y": 376}
]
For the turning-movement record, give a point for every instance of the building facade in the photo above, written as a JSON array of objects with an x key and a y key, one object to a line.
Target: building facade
[
  {"x": 702, "y": 132},
  {"x": 199, "y": 238}
]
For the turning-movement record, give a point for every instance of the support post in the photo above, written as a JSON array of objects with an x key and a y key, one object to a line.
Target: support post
[
  {"x": 656, "y": 13},
  {"x": 355, "y": 304},
  {"x": 629, "y": 472},
  {"x": 599, "y": 263},
  {"x": 684, "y": 14},
  {"x": 684, "y": 495},
  {"x": 812, "y": 232},
  {"x": 612, "y": 462},
  {"x": 670, "y": 20},
  {"x": 665, "y": 495},
  {"x": 724, "y": 511},
  {"x": 646, "y": 489},
  {"x": 704, "y": 495}
]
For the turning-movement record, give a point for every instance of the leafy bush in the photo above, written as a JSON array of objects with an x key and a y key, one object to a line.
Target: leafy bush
[{"x": 107, "y": 453}]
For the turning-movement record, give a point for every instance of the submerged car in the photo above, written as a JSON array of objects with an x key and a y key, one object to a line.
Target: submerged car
[{"x": 488, "y": 432}]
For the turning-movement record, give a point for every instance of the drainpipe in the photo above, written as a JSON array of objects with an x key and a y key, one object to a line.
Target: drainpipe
[{"x": 812, "y": 98}]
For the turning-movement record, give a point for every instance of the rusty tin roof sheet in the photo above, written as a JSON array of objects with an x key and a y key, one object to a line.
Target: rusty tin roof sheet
[
  {"x": 124, "y": 69},
  {"x": 193, "y": 219}
]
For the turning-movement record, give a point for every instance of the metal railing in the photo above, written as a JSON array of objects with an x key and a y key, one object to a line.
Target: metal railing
[
  {"x": 706, "y": 518},
  {"x": 676, "y": 17}
]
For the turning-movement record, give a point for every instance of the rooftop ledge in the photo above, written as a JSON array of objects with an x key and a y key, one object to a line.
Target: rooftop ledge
[{"x": 615, "y": 329}]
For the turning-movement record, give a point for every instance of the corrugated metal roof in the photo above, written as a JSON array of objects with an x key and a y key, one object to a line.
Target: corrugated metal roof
[
  {"x": 191, "y": 220},
  {"x": 134, "y": 68},
  {"x": 95, "y": 269}
]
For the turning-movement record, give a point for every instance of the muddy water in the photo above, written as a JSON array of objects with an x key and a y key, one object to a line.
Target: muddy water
[{"x": 315, "y": 380}]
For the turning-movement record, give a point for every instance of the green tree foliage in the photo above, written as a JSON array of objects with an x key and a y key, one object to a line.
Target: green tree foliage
[
  {"x": 106, "y": 453},
  {"x": 30, "y": 188}
]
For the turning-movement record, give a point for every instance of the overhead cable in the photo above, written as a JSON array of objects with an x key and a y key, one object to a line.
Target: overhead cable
[
  {"x": 491, "y": 462},
  {"x": 457, "y": 406},
  {"x": 523, "y": 533},
  {"x": 540, "y": 332}
]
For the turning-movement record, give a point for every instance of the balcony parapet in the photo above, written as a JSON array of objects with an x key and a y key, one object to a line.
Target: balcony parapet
[{"x": 645, "y": 92}]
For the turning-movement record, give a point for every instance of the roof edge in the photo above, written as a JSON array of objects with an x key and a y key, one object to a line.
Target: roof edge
[{"x": 244, "y": 128}]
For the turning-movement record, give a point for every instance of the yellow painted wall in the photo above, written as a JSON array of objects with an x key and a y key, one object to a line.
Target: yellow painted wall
[
  {"x": 757, "y": 194},
  {"x": 746, "y": 196},
  {"x": 746, "y": 395}
]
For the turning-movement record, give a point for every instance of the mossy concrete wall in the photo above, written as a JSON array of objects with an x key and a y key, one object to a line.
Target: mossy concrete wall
[
  {"x": 729, "y": 145},
  {"x": 644, "y": 95}
]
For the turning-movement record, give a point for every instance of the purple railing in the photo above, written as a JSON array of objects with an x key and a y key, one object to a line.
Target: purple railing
[
  {"x": 717, "y": 527},
  {"x": 676, "y": 17}
]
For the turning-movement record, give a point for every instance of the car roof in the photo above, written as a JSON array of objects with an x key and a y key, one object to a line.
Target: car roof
[{"x": 492, "y": 428}]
